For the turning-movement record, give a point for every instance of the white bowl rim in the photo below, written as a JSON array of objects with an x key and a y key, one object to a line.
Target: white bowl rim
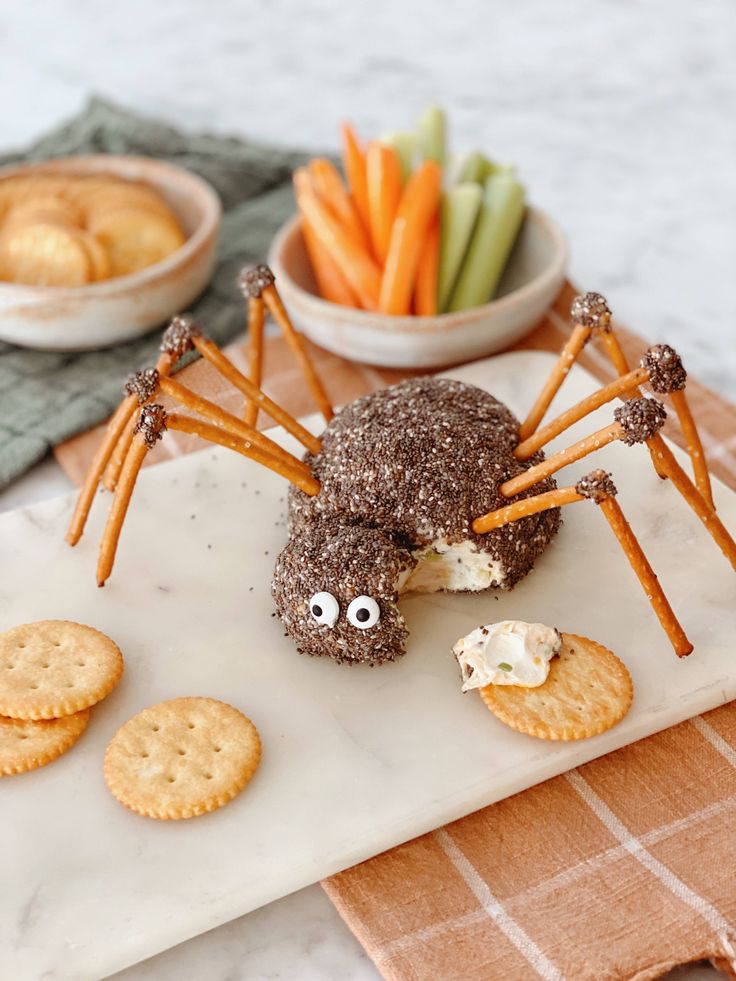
[
  {"x": 212, "y": 213},
  {"x": 453, "y": 320}
]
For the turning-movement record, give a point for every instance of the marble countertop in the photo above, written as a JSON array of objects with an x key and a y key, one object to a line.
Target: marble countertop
[{"x": 619, "y": 117}]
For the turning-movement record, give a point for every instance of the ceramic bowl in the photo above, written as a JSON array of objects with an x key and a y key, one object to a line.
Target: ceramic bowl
[
  {"x": 533, "y": 277},
  {"x": 59, "y": 318}
]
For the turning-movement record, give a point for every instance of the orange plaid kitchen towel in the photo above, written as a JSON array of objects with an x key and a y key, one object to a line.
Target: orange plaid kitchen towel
[{"x": 620, "y": 869}]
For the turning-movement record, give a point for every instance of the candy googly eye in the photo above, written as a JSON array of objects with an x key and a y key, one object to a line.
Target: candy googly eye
[
  {"x": 324, "y": 608},
  {"x": 364, "y": 612}
]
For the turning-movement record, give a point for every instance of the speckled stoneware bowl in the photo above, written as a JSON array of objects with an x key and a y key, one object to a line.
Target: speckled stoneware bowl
[
  {"x": 58, "y": 318},
  {"x": 533, "y": 277}
]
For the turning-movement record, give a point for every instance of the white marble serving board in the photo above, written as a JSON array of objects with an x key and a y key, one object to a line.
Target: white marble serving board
[{"x": 356, "y": 760}]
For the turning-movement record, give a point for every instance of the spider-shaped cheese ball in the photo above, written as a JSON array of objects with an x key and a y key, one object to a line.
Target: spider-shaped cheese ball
[{"x": 403, "y": 473}]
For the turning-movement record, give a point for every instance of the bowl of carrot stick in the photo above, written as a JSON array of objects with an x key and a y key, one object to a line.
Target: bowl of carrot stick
[{"x": 413, "y": 258}]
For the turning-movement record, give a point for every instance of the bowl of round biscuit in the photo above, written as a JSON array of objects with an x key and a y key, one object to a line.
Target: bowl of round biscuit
[{"x": 97, "y": 250}]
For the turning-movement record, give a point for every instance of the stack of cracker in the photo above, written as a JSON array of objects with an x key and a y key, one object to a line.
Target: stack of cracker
[
  {"x": 51, "y": 673},
  {"x": 69, "y": 231}
]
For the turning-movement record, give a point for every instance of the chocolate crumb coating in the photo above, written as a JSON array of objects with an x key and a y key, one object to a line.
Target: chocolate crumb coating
[
  {"x": 640, "y": 418},
  {"x": 666, "y": 370},
  {"x": 420, "y": 461},
  {"x": 347, "y": 562},
  {"x": 178, "y": 338},
  {"x": 254, "y": 280},
  {"x": 151, "y": 424},
  {"x": 143, "y": 384},
  {"x": 596, "y": 486},
  {"x": 591, "y": 310}
]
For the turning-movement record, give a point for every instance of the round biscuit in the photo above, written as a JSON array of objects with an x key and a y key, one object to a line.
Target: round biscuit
[
  {"x": 182, "y": 758},
  {"x": 97, "y": 195},
  {"x": 98, "y": 256},
  {"x": 135, "y": 237},
  {"x": 26, "y": 745},
  {"x": 587, "y": 691},
  {"x": 46, "y": 208},
  {"x": 52, "y": 668},
  {"x": 44, "y": 254}
]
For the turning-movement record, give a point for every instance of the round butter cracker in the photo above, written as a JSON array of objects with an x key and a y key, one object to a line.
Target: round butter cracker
[
  {"x": 44, "y": 254},
  {"x": 26, "y": 745},
  {"x": 53, "y": 668},
  {"x": 587, "y": 691},
  {"x": 182, "y": 758},
  {"x": 135, "y": 238}
]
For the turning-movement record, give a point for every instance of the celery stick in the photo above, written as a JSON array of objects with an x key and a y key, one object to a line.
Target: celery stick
[
  {"x": 431, "y": 135},
  {"x": 460, "y": 206},
  {"x": 475, "y": 168},
  {"x": 499, "y": 221},
  {"x": 405, "y": 145},
  {"x": 497, "y": 168}
]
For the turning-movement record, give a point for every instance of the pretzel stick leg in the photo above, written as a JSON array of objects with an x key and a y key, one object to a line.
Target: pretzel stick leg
[
  {"x": 575, "y": 344},
  {"x": 228, "y": 370},
  {"x": 119, "y": 507},
  {"x": 606, "y": 394},
  {"x": 296, "y": 343},
  {"x": 559, "y": 460},
  {"x": 529, "y": 505},
  {"x": 115, "y": 464},
  {"x": 110, "y": 478},
  {"x": 647, "y": 577},
  {"x": 693, "y": 445},
  {"x": 214, "y": 434},
  {"x": 111, "y": 439},
  {"x": 620, "y": 362},
  {"x": 230, "y": 423},
  {"x": 256, "y": 318},
  {"x": 694, "y": 498},
  {"x": 615, "y": 353}
]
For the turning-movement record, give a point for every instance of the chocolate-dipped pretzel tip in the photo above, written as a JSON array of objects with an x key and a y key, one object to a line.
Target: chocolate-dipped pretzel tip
[
  {"x": 665, "y": 367},
  {"x": 143, "y": 384},
  {"x": 596, "y": 486},
  {"x": 151, "y": 424},
  {"x": 178, "y": 338},
  {"x": 640, "y": 419},
  {"x": 592, "y": 311},
  {"x": 253, "y": 280}
]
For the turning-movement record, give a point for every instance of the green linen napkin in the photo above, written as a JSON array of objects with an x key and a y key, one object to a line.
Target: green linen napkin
[{"x": 47, "y": 397}]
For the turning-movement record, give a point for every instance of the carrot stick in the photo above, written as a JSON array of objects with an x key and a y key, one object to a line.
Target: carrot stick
[
  {"x": 354, "y": 164},
  {"x": 329, "y": 186},
  {"x": 425, "y": 291},
  {"x": 383, "y": 175},
  {"x": 348, "y": 254},
  {"x": 330, "y": 281},
  {"x": 418, "y": 206}
]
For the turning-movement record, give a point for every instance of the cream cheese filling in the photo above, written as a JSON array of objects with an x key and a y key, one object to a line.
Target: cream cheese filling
[
  {"x": 511, "y": 652},
  {"x": 456, "y": 568}
]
